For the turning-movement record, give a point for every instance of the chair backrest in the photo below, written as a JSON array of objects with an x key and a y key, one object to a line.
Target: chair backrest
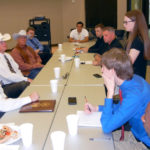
[
  {"x": 42, "y": 30},
  {"x": 120, "y": 34}
]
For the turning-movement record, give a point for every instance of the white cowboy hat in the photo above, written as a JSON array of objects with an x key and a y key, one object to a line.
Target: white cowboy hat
[
  {"x": 5, "y": 37},
  {"x": 19, "y": 34}
]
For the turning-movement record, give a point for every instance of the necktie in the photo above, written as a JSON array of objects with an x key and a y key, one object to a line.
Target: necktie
[
  {"x": 34, "y": 43},
  {"x": 122, "y": 128},
  {"x": 9, "y": 64}
]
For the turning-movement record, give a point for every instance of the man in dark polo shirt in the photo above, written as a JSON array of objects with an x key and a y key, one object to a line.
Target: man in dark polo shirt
[
  {"x": 100, "y": 44},
  {"x": 111, "y": 42}
]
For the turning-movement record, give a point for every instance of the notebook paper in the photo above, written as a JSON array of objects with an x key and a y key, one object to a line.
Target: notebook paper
[{"x": 90, "y": 120}]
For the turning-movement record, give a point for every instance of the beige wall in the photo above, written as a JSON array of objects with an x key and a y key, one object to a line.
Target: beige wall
[
  {"x": 63, "y": 15},
  {"x": 16, "y": 13},
  {"x": 121, "y": 10},
  {"x": 72, "y": 13}
]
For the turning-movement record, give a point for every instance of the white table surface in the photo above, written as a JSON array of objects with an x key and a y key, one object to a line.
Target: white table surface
[
  {"x": 95, "y": 95},
  {"x": 80, "y": 83}
]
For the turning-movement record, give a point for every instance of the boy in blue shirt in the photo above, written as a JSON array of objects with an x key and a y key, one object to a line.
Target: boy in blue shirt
[{"x": 117, "y": 70}]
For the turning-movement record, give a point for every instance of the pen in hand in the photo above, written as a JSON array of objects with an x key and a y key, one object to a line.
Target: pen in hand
[{"x": 87, "y": 102}]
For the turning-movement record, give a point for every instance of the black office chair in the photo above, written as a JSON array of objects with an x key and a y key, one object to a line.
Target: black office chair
[
  {"x": 120, "y": 34},
  {"x": 43, "y": 34},
  {"x": 92, "y": 34}
]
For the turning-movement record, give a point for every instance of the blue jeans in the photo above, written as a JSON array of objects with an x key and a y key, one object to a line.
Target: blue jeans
[{"x": 33, "y": 73}]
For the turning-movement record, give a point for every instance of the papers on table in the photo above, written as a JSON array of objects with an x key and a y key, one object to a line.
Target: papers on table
[
  {"x": 90, "y": 120},
  {"x": 66, "y": 58},
  {"x": 12, "y": 139},
  {"x": 86, "y": 62}
]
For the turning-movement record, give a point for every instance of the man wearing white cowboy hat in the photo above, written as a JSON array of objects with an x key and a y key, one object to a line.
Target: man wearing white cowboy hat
[
  {"x": 11, "y": 78},
  {"x": 29, "y": 61}
]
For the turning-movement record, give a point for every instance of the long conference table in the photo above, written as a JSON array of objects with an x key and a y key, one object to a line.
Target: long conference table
[{"x": 80, "y": 83}]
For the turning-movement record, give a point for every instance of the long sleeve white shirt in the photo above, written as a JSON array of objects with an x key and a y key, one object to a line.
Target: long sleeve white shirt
[
  {"x": 8, "y": 104},
  {"x": 6, "y": 76}
]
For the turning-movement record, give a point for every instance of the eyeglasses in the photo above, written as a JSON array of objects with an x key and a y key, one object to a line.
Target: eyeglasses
[{"x": 126, "y": 22}]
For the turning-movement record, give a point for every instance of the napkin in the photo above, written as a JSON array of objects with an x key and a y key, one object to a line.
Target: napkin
[{"x": 9, "y": 147}]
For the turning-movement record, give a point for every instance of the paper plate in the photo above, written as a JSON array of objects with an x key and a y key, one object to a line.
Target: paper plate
[{"x": 13, "y": 140}]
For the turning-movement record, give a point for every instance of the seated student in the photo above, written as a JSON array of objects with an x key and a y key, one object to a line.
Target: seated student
[
  {"x": 134, "y": 92},
  {"x": 99, "y": 42},
  {"x": 79, "y": 34},
  {"x": 28, "y": 60},
  {"x": 111, "y": 42},
  {"x": 8, "y": 104},
  {"x": 11, "y": 78},
  {"x": 36, "y": 45}
]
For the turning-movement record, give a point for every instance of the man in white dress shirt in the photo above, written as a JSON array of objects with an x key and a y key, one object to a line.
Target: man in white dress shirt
[
  {"x": 11, "y": 78},
  {"x": 79, "y": 34},
  {"x": 9, "y": 104}
]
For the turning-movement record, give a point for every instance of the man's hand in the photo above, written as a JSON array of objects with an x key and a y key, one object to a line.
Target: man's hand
[
  {"x": 29, "y": 80},
  {"x": 85, "y": 49},
  {"x": 97, "y": 60},
  {"x": 39, "y": 65},
  {"x": 72, "y": 40},
  {"x": 89, "y": 108},
  {"x": 37, "y": 51},
  {"x": 95, "y": 63},
  {"x": 109, "y": 82},
  {"x": 34, "y": 96},
  {"x": 98, "y": 57}
]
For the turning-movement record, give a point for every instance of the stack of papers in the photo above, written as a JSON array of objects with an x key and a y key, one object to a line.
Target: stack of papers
[
  {"x": 89, "y": 120},
  {"x": 89, "y": 62}
]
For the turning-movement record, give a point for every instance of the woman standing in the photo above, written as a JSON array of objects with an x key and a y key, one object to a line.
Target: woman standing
[{"x": 138, "y": 44}]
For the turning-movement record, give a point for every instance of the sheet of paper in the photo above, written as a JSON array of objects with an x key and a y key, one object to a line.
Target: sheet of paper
[
  {"x": 91, "y": 120},
  {"x": 89, "y": 62}
]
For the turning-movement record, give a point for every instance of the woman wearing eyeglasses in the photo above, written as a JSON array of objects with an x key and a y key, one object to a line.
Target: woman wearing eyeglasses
[{"x": 138, "y": 44}]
